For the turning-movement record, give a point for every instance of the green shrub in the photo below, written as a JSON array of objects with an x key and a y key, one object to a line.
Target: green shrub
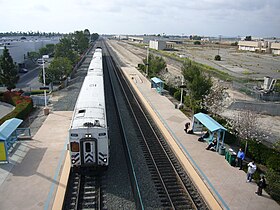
[
  {"x": 217, "y": 57},
  {"x": 177, "y": 95},
  {"x": 273, "y": 161},
  {"x": 273, "y": 187},
  {"x": 197, "y": 43}
]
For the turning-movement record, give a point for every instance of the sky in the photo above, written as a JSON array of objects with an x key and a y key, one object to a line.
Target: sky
[{"x": 229, "y": 18}]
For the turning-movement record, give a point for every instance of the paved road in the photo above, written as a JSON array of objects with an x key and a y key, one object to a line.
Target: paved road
[{"x": 30, "y": 80}]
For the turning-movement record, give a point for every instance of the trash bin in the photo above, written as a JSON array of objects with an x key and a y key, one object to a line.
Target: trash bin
[
  {"x": 222, "y": 150},
  {"x": 232, "y": 158},
  {"x": 226, "y": 156}
]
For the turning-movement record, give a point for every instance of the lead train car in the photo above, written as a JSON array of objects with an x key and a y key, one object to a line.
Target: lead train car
[{"x": 88, "y": 134}]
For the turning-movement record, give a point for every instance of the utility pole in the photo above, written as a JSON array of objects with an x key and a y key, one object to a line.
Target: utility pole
[{"x": 220, "y": 38}]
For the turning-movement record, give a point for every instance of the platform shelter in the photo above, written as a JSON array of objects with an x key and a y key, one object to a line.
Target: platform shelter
[
  {"x": 216, "y": 131},
  {"x": 8, "y": 136},
  {"x": 157, "y": 84}
]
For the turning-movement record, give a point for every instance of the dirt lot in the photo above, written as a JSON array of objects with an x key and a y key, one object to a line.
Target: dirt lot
[
  {"x": 132, "y": 56},
  {"x": 238, "y": 63}
]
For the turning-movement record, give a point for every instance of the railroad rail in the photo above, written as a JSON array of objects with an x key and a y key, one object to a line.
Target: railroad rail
[
  {"x": 173, "y": 185},
  {"x": 85, "y": 190}
]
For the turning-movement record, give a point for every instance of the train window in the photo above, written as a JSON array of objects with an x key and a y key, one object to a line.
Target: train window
[
  {"x": 102, "y": 134},
  {"x": 88, "y": 147},
  {"x": 75, "y": 146},
  {"x": 74, "y": 134},
  {"x": 82, "y": 111}
]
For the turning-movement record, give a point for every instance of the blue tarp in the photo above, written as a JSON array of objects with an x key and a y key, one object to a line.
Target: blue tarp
[
  {"x": 209, "y": 122},
  {"x": 8, "y": 127}
]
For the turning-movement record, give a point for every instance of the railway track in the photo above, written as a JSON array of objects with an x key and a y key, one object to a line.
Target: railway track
[
  {"x": 172, "y": 183},
  {"x": 85, "y": 190}
]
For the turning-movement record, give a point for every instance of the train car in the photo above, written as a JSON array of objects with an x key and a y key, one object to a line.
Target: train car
[
  {"x": 96, "y": 65},
  {"x": 88, "y": 133}
]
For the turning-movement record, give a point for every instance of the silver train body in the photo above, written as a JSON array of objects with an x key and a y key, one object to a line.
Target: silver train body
[{"x": 88, "y": 133}]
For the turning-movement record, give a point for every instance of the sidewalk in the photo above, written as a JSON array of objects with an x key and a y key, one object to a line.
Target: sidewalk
[
  {"x": 227, "y": 184},
  {"x": 30, "y": 180}
]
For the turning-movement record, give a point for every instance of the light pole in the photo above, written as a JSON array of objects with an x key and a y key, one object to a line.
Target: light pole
[
  {"x": 46, "y": 109},
  {"x": 182, "y": 86},
  {"x": 147, "y": 64}
]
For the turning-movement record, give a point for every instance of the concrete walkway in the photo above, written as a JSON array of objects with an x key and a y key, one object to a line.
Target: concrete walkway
[
  {"x": 5, "y": 109},
  {"x": 227, "y": 183},
  {"x": 31, "y": 178}
]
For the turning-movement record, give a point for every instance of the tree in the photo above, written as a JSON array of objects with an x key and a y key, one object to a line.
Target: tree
[
  {"x": 47, "y": 50},
  {"x": 248, "y": 38},
  {"x": 198, "y": 83},
  {"x": 8, "y": 70},
  {"x": 33, "y": 56},
  {"x": 64, "y": 49},
  {"x": 87, "y": 33},
  {"x": 214, "y": 101},
  {"x": 80, "y": 42},
  {"x": 59, "y": 68},
  {"x": 94, "y": 37},
  {"x": 245, "y": 126},
  {"x": 156, "y": 64}
]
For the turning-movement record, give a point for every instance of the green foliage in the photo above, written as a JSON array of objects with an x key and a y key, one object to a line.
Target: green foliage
[
  {"x": 64, "y": 49},
  {"x": 198, "y": 83},
  {"x": 248, "y": 38},
  {"x": 47, "y": 50},
  {"x": 33, "y": 56},
  {"x": 80, "y": 41},
  {"x": 8, "y": 70},
  {"x": 273, "y": 161},
  {"x": 217, "y": 57},
  {"x": 58, "y": 69},
  {"x": 197, "y": 43},
  {"x": 94, "y": 37},
  {"x": 156, "y": 64},
  {"x": 177, "y": 95},
  {"x": 273, "y": 187},
  {"x": 23, "y": 105},
  {"x": 170, "y": 89},
  {"x": 234, "y": 44}
]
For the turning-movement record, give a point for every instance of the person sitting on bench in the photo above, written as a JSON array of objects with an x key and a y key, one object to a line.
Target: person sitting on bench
[
  {"x": 206, "y": 135},
  {"x": 212, "y": 145}
]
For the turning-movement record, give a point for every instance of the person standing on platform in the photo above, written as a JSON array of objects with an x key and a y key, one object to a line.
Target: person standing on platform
[
  {"x": 187, "y": 126},
  {"x": 261, "y": 186},
  {"x": 251, "y": 170},
  {"x": 240, "y": 158}
]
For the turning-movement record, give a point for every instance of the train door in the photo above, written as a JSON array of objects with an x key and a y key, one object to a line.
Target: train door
[{"x": 88, "y": 152}]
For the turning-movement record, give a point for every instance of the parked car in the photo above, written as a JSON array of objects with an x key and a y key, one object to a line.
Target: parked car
[
  {"x": 40, "y": 61},
  {"x": 23, "y": 71}
]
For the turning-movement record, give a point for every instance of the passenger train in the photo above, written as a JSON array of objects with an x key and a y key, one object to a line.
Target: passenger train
[{"x": 88, "y": 133}]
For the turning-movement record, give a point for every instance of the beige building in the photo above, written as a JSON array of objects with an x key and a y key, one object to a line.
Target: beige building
[
  {"x": 275, "y": 48},
  {"x": 249, "y": 45},
  {"x": 260, "y": 46},
  {"x": 160, "y": 45}
]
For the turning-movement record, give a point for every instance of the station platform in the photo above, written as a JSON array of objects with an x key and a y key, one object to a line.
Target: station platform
[
  {"x": 223, "y": 186},
  {"x": 31, "y": 178}
]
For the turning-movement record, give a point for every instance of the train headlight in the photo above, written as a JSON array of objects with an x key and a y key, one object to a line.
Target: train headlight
[
  {"x": 73, "y": 161},
  {"x": 105, "y": 160}
]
